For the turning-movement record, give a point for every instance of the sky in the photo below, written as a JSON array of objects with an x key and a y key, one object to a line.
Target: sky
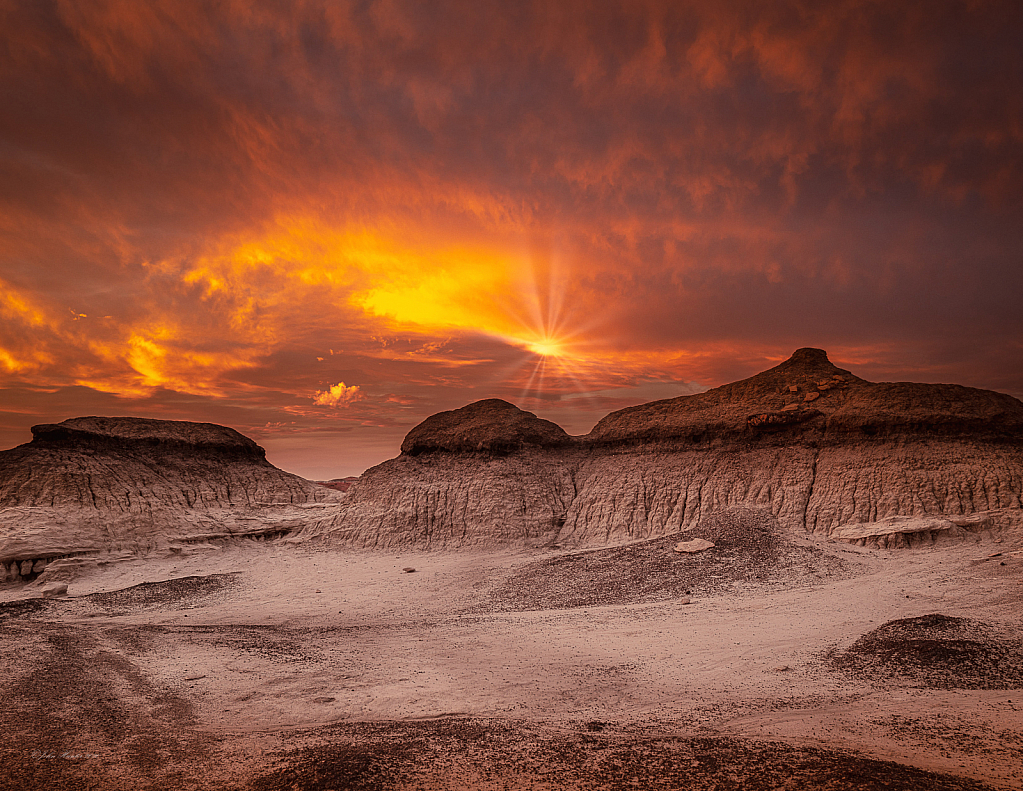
[{"x": 321, "y": 222}]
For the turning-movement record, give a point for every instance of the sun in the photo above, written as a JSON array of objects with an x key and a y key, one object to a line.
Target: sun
[{"x": 546, "y": 348}]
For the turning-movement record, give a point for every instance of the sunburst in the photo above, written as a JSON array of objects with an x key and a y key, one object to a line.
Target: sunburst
[{"x": 547, "y": 347}]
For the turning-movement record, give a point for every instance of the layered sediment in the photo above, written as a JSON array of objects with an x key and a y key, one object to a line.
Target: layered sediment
[
  {"x": 820, "y": 448},
  {"x": 96, "y": 484}
]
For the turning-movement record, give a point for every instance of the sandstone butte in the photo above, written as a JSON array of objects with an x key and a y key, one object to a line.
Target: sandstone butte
[
  {"x": 129, "y": 485},
  {"x": 889, "y": 464}
]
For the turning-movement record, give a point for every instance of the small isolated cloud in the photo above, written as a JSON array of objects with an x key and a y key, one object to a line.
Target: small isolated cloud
[
  {"x": 338, "y": 395},
  {"x": 403, "y": 400}
]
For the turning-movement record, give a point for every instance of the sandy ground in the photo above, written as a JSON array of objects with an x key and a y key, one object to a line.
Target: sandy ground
[{"x": 273, "y": 666}]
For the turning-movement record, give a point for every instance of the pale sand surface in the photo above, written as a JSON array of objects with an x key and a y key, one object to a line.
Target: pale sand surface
[{"x": 246, "y": 678}]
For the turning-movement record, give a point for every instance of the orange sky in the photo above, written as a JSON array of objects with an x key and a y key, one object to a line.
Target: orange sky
[{"x": 320, "y": 222}]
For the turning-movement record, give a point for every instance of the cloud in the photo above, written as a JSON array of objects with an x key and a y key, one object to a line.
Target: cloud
[{"x": 339, "y": 395}]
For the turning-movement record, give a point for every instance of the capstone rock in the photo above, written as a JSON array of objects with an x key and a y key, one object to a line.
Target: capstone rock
[
  {"x": 490, "y": 426},
  {"x": 694, "y": 545}
]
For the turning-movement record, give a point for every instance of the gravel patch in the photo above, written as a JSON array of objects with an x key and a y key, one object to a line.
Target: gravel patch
[
  {"x": 937, "y": 651},
  {"x": 748, "y": 551},
  {"x": 174, "y": 594},
  {"x": 450, "y": 753}
]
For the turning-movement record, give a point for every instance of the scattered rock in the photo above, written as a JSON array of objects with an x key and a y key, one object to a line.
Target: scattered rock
[
  {"x": 695, "y": 545},
  {"x": 781, "y": 669},
  {"x": 789, "y": 407},
  {"x": 897, "y": 532},
  {"x": 54, "y": 589},
  {"x": 793, "y": 388},
  {"x": 408, "y": 570},
  {"x": 812, "y": 396}
]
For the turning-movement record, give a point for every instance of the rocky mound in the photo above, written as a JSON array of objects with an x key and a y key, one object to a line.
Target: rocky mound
[
  {"x": 748, "y": 551},
  {"x": 889, "y": 465},
  {"x": 173, "y": 594},
  {"x": 807, "y": 394},
  {"x": 98, "y": 484},
  {"x": 818, "y": 446},
  {"x": 491, "y": 426},
  {"x": 937, "y": 651},
  {"x": 754, "y": 531}
]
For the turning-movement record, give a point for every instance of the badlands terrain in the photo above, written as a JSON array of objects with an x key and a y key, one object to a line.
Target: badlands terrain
[{"x": 503, "y": 606}]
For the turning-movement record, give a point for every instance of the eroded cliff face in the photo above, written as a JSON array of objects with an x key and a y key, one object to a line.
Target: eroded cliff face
[
  {"x": 91, "y": 484},
  {"x": 646, "y": 491},
  {"x": 456, "y": 500},
  {"x": 484, "y": 475},
  {"x": 819, "y": 447}
]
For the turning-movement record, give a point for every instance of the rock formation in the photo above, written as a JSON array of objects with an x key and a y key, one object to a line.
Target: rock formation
[
  {"x": 492, "y": 426},
  {"x": 338, "y": 484},
  {"x": 889, "y": 465},
  {"x": 483, "y": 474},
  {"x": 822, "y": 449},
  {"x": 93, "y": 483}
]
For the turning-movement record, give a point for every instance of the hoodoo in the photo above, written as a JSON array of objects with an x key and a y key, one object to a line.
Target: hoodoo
[
  {"x": 98, "y": 483},
  {"x": 824, "y": 450},
  {"x": 486, "y": 474}
]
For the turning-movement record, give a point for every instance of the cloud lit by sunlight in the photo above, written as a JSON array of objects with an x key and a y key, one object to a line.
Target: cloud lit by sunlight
[{"x": 338, "y": 395}]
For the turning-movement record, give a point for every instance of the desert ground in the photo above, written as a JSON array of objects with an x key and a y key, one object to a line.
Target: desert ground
[{"x": 274, "y": 665}]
